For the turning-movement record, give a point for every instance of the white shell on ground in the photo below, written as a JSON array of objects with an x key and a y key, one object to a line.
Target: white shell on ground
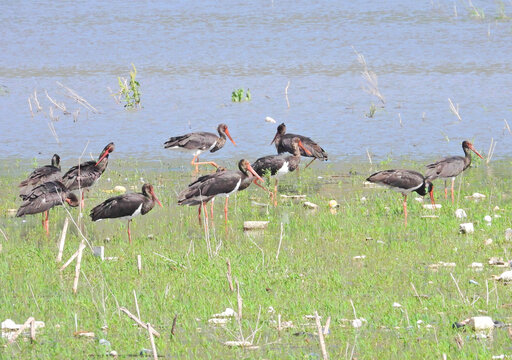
[
  {"x": 466, "y": 228},
  {"x": 460, "y": 214}
]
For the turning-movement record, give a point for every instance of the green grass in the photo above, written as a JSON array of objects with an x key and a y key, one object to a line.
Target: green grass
[{"x": 315, "y": 270}]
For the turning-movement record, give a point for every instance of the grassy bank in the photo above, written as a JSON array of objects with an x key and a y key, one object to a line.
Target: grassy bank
[{"x": 315, "y": 269}]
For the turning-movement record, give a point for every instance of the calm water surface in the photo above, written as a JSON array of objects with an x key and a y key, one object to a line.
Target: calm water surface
[{"x": 191, "y": 55}]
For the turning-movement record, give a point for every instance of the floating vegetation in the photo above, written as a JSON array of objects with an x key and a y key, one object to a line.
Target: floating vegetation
[{"x": 238, "y": 95}]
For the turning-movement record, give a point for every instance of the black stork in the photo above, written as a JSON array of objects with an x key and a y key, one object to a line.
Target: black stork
[
  {"x": 199, "y": 142},
  {"x": 451, "y": 166},
  {"x": 40, "y": 176},
  {"x": 86, "y": 174},
  {"x": 405, "y": 182},
  {"x": 221, "y": 183},
  {"x": 45, "y": 196},
  {"x": 279, "y": 165},
  {"x": 126, "y": 206},
  {"x": 283, "y": 142}
]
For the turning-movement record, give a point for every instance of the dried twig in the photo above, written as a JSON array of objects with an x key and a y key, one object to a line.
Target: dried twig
[
  {"x": 464, "y": 300},
  {"x": 491, "y": 151},
  {"x": 280, "y": 241},
  {"x": 70, "y": 260},
  {"x": 77, "y": 267},
  {"x": 173, "y": 327},
  {"x": 152, "y": 341},
  {"x": 139, "y": 264},
  {"x": 136, "y": 303},
  {"x": 286, "y": 93},
  {"x": 228, "y": 275},
  {"x": 325, "y": 356},
  {"x": 454, "y": 109},
  {"x": 21, "y": 329},
  {"x": 239, "y": 300},
  {"x": 73, "y": 95},
  {"x": 507, "y": 127},
  {"x": 62, "y": 239},
  {"x": 60, "y": 106},
  {"x": 30, "y": 107},
  {"x": 138, "y": 321},
  {"x": 372, "y": 82},
  {"x": 416, "y": 293}
]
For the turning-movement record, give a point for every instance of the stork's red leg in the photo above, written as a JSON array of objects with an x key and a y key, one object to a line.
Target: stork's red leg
[
  {"x": 129, "y": 233},
  {"x": 47, "y": 224},
  {"x": 275, "y": 193}
]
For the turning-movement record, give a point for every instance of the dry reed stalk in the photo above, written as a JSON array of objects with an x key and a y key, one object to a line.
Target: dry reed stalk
[
  {"x": 78, "y": 264},
  {"x": 506, "y": 126},
  {"x": 33, "y": 330},
  {"x": 228, "y": 275},
  {"x": 239, "y": 300},
  {"x": 454, "y": 109},
  {"x": 38, "y": 105},
  {"x": 152, "y": 341},
  {"x": 416, "y": 293},
  {"x": 30, "y": 107},
  {"x": 61, "y": 106},
  {"x": 286, "y": 93},
  {"x": 138, "y": 321},
  {"x": 62, "y": 239},
  {"x": 173, "y": 327},
  {"x": 73, "y": 95},
  {"x": 464, "y": 300},
  {"x": 21, "y": 329},
  {"x": 3, "y": 234},
  {"x": 327, "y": 326},
  {"x": 280, "y": 241},
  {"x": 372, "y": 82},
  {"x": 139, "y": 264},
  {"x": 53, "y": 131},
  {"x": 325, "y": 356},
  {"x": 69, "y": 261},
  {"x": 490, "y": 153},
  {"x": 136, "y": 303}
]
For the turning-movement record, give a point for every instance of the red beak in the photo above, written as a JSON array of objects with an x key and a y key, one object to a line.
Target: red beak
[
  {"x": 229, "y": 136},
  {"x": 105, "y": 154},
  {"x": 155, "y": 198},
  {"x": 432, "y": 197},
  {"x": 476, "y": 152},
  {"x": 303, "y": 148},
  {"x": 251, "y": 170}
]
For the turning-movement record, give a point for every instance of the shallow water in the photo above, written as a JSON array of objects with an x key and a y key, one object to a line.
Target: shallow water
[{"x": 190, "y": 56}]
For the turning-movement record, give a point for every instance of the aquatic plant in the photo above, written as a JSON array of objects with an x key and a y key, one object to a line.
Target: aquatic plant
[
  {"x": 238, "y": 95},
  {"x": 129, "y": 91}
]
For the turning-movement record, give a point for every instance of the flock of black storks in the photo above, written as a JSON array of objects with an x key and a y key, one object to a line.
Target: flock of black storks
[{"x": 46, "y": 187}]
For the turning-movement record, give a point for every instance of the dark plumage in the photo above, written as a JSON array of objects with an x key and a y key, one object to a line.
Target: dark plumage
[
  {"x": 199, "y": 142},
  {"x": 40, "y": 176},
  {"x": 221, "y": 183},
  {"x": 126, "y": 206},
  {"x": 86, "y": 174},
  {"x": 404, "y": 182},
  {"x": 283, "y": 142},
  {"x": 45, "y": 196},
  {"x": 281, "y": 164},
  {"x": 451, "y": 166}
]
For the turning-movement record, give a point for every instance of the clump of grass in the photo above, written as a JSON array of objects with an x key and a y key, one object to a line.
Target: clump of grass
[
  {"x": 371, "y": 112},
  {"x": 129, "y": 90},
  {"x": 238, "y": 95}
]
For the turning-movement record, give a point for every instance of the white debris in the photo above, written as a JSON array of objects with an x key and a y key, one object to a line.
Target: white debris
[
  {"x": 418, "y": 199},
  {"x": 481, "y": 323},
  {"x": 99, "y": 251},
  {"x": 253, "y": 225},
  {"x": 460, "y": 214},
  {"x": 364, "y": 199},
  {"x": 368, "y": 184},
  {"x": 476, "y": 265},
  {"x": 310, "y": 205},
  {"x": 225, "y": 314},
  {"x": 219, "y": 321},
  {"x": 505, "y": 276},
  {"x": 432, "y": 206},
  {"x": 476, "y": 197},
  {"x": 11, "y": 212},
  {"x": 359, "y": 257},
  {"x": 488, "y": 219},
  {"x": 488, "y": 242},
  {"x": 396, "y": 305},
  {"x": 270, "y": 120},
  {"x": 466, "y": 228},
  {"x": 119, "y": 189},
  {"x": 357, "y": 323}
]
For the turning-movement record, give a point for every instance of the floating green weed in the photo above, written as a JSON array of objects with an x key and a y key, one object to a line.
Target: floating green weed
[
  {"x": 129, "y": 91},
  {"x": 238, "y": 95}
]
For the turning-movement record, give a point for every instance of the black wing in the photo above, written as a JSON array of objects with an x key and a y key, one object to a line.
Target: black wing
[{"x": 118, "y": 206}]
